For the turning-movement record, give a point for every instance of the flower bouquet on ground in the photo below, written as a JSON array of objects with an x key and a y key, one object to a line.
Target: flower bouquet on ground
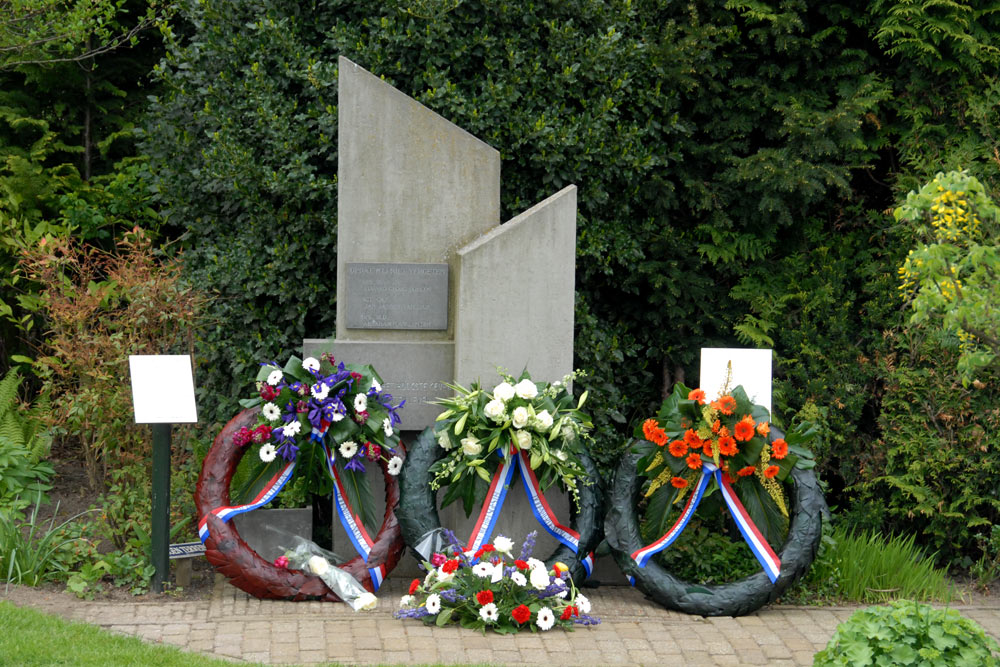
[
  {"x": 731, "y": 439},
  {"x": 483, "y": 430},
  {"x": 309, "y": 557},
  {"x": 326, "y": 418},
  {"x": 492, "y": 589}
]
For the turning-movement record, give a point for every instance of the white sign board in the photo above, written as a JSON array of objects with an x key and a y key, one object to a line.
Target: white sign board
[
  {"x": 751, "y": 368},
  {"x": 162, "y": 389}
]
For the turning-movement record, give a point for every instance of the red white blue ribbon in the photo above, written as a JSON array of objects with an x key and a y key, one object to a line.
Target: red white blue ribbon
[
  {"x": 539, "y": 505},
  {"x": 348, "y": 518},
  {"x": 758, "y": 545},
  {"x": 588, "y": 564},
  {"x": 266, "y": 495}
]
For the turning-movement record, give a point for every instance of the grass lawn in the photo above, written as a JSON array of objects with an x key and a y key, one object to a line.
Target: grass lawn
[{"x": 30, "y": 637}]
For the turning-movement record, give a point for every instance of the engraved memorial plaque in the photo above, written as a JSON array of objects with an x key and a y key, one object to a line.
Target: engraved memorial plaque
[{"x": 397, "y": 296}]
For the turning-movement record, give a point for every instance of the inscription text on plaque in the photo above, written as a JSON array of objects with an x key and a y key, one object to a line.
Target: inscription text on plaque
[{"x": 386, "y": 295}]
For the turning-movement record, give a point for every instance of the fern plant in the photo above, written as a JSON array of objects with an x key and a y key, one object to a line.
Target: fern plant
[{"x": 24, "y": 443}]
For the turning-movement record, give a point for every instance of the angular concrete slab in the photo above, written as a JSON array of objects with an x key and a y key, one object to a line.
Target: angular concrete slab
[{"x": 516, "y": 295}]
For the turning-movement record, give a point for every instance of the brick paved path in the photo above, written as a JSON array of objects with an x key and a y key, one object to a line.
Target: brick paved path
[{"x": 634, "y": 631}]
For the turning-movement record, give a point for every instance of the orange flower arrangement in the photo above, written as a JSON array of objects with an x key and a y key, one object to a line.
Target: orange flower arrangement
[{"x": 654, "y": 433}]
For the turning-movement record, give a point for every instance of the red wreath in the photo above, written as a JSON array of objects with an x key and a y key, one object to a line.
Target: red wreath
[{"x": 244, "y": 568}]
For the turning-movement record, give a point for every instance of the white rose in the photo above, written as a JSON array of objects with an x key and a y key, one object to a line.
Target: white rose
[
  {"x": 360, "y": 403},
  {"x": 318, "y": 565},
  {"x": 275, "y": 377},
  {"x": 310, "y": 364},
  {"x": 560, "y": 454},
  {"x": 523, "y": 439},
  {"x": 365, "y": 602},
  {"x": 495, "y": 409},
  {"x": 503, "y": 391},
  {"x": 406, "y": 601},
  {"x": 471, "y": 446},
  {"x": 544, "y": 420},
  {"x": 526, "y": 389},
  {"x": 539, "y": 578},
  {"x": 520, "y": 417},
  {"x": 503, "y": 544},
  {"x": 444, "y": 441}
]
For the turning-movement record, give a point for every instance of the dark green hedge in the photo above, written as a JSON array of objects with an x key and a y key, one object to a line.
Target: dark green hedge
[{"x": 735, "y": 162}]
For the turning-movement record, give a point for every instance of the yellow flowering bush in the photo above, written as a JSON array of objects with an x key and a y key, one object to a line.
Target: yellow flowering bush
[{"x": 952, "y": 276}]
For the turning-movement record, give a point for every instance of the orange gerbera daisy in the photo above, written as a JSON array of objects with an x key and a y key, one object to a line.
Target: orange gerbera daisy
[
  {"x": 652, "y": 431},
  {"x": 727, "y": 404},
  {"x": 694, "y": 461},
  {"x": 745, "y": 472},
  {"x": 723, "y": 432},
  {"x": 727, "y": 446},
  {"x": 691, "y": 438},
  {"x": 763, "y": 429},
  {"x": 771, "y": 471},
  {"x": 678, "y": 448},
  {"x": 707, "y": 448},
  {"x": 779, "y": 449},
  {"x": 716, "y": 425},
  {"x": 744, "y": 429},
  {"x": 697, "y": 395},
  {"x": 678, "y": 482}
]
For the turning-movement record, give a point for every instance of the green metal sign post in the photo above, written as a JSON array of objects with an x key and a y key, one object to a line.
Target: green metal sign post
[{"x": 160, "y": 532}]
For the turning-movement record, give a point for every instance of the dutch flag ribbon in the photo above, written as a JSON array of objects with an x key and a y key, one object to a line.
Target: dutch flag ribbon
[{"x": 758, "y": 545}]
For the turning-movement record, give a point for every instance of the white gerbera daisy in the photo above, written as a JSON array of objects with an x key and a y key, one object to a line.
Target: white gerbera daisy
[
  {"x": 267, "y": 453},
  {"x": 275, "y": 377},
  {"x": 360, "y": 403},
  {"x": 433, "y": 603},
  {"x": 310, "y": 364},
  {"x": 292, "y": 428},
  {"x": 387, "y": 427},
  {"x": 337, "y": 416},
  {"x": 348, "y": 449},
  {"x": 483, "y": 570},
  {"x": 395, "y": 465},
  {"x": 271, "y": 412},
  {"x": 503, "y": 544},
  {"x": 519, "y": 579},
  {"x": 582, "y": 603},
  {"x": 320, "y": 390},
  {"x": 545, "y": 619},
  {"x": 489, "y": 613}
]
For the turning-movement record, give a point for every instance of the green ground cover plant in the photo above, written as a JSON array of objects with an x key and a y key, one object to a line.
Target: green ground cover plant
[
  {"x": 31, "y": 551},
  {"x": 908, "y": 633}
]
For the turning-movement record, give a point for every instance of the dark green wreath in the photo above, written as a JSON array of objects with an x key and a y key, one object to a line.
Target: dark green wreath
[
  {"x": 418, "y": 513},
  {"x": 732, "y": 599}
]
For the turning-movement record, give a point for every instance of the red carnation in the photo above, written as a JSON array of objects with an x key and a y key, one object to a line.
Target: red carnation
[
  {"x": 569, "y": 612},
  {"x": 485, "y": 549},
  {"x": 520, "y": 564},
  {"x": 450, "y": 566},
  {"x": 521, "y": 614},
  {"x": 356, "y": 376},
  {"x": 484, "y": 597},
  {"x": 414, "y": 585}
]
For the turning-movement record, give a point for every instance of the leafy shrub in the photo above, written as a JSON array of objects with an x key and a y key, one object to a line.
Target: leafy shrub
[
  {"x": 908, "y": 633},
  {"x": 29, "y": 551}
]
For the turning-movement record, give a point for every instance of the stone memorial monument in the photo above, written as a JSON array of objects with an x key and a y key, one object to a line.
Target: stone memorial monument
[{"x": 431, "y": 288}]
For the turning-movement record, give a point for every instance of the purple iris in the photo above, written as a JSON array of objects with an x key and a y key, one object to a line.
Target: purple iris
[
  {"x": 318, "y": 411},
  {"x": 386, "y": 401},
  {"x": 355, "y": 464},
  {"x": 287, "y": 450}
]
